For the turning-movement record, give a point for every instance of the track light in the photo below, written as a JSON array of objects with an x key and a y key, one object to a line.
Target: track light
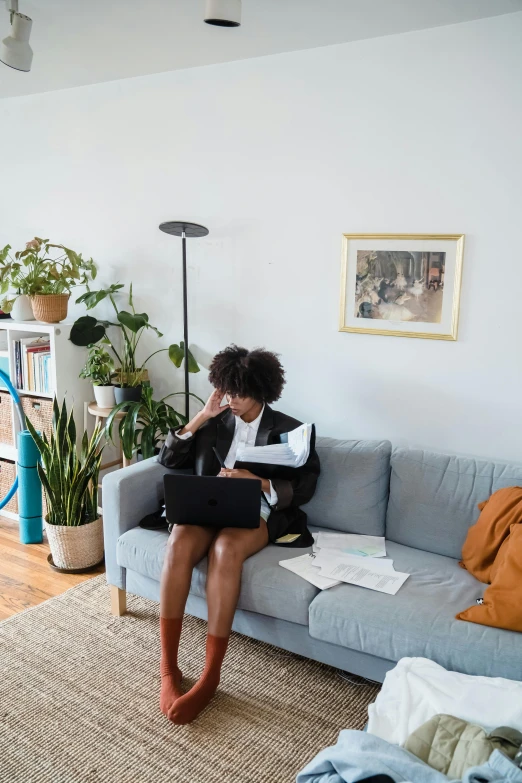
[
  {"x": 223, "y": 13},
  {"x": 15, "y": 50}
]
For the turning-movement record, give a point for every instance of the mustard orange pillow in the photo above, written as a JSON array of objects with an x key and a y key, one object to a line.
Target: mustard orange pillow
[
  {"x": 502, "y": 607},
  {"x": 485, "y": 538}
]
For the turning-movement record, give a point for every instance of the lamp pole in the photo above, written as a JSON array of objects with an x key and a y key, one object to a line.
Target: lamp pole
[
  {"x": 185, "y": 322},
  {"x": 184, "y": 230}
]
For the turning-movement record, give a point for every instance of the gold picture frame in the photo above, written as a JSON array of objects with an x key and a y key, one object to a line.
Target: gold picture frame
[{"x": 413, "y": 291}]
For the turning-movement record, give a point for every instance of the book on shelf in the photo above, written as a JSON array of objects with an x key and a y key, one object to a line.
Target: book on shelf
[{"x": 32, "y": 356}]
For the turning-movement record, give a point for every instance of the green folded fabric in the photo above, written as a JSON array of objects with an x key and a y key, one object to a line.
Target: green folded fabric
[{"x": 451, "y": 745}]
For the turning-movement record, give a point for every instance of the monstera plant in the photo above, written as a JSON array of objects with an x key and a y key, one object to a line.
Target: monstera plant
[{"x": 89, "y": 330}]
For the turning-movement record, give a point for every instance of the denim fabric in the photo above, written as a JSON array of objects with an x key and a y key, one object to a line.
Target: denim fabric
[
  {"x": 498, "y": 768},
  {"x": 357, "y": 755}
]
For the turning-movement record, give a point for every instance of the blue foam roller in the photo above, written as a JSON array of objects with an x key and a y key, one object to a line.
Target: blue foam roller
[
  {"x": 28, "y": 454},
  {"x": 29, "y": 490},
  {"x": 31, "y": 530}
]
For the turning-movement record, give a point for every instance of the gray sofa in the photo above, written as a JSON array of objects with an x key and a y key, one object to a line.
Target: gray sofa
[{"x": 423, "y": 502}]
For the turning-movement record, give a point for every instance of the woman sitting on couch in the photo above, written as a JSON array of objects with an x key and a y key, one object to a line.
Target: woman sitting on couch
[{"x": 250, "y": 381}]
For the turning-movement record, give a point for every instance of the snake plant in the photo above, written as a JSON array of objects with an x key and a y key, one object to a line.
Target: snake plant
[{"x": 69, "y": 475}]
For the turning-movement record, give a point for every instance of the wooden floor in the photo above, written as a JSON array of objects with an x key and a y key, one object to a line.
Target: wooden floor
[{"x": 26, "y": 579}]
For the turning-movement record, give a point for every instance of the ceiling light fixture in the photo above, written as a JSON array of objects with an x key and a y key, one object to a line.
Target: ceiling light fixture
[
  {"x": 15, "y": 50},
  {"x": 223, "y": 13}
]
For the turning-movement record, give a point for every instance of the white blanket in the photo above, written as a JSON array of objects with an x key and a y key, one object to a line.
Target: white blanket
[{"x": 417, "y": 689}]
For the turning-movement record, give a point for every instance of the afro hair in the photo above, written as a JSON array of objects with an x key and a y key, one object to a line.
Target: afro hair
[{"x": 257, "y": 374}]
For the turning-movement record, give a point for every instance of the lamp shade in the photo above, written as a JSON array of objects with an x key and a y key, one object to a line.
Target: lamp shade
[
  {"x": 223, "y": 13},
  {"x": 15, "y": 50}
]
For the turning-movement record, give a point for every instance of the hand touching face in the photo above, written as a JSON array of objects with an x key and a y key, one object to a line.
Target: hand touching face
[{"x": 213, "y": 405}]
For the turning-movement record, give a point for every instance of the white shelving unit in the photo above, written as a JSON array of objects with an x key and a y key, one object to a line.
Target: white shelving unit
[{"x": 65, "y": 364}]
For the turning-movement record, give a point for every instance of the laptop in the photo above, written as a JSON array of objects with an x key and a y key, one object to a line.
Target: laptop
[{"x": 212, "y": 501}]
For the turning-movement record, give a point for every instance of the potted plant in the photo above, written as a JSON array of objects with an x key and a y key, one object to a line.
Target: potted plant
[
  {"x": 131, "y": 372},
  {"x": 98, "y": 368},
  {"x": 70, "y": 480},
  {"x": 45, "y": 273},
  {"x": 146, "y": 423},
  {"x": 21, "y": 276}
]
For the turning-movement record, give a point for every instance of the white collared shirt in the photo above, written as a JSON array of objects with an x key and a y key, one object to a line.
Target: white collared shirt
[{"x": 245, "y": 434}]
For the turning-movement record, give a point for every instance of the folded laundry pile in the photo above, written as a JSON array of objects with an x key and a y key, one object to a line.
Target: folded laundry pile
[
  {"x": 429, "y": 725},
  {"x": 359, "y": 756}
]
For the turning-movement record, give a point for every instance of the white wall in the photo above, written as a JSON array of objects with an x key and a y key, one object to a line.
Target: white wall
[{"x": 279, "y": 156}]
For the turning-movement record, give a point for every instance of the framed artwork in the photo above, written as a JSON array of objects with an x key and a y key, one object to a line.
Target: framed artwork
[{"x": 405, "y": 285}]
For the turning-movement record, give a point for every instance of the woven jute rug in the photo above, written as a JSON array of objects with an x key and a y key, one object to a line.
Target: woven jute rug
[{"x": 79, "y": 701}]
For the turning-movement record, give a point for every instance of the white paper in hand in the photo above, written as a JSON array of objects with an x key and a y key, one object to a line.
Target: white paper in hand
[{"x": 292, "y": 454}]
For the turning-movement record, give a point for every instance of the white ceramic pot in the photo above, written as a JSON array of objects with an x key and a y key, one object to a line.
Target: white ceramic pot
[
  {"x": 74, "y": 546},
  {"x": 104, "y": 396},
  {"x": 22, "y": 309}
]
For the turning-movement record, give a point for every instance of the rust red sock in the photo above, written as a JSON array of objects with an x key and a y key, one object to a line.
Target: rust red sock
[
  {"x": 187, "y": 707},
  {"x": 170, "y": 633}
]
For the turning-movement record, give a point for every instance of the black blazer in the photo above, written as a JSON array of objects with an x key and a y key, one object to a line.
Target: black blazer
[{"x": 294, "y": 486}]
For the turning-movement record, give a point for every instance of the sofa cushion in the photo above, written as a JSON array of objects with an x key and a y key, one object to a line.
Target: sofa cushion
[
  {"x": 434, "y": 497},
  {"x": 266, "y": 588},
  {"x": 352, "y": 491},
  {"x": 419, "y": 621}
]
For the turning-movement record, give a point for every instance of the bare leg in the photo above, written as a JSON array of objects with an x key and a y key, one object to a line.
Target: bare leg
[
  {"x": 188, "y": 544},
  {"x": 230, "y": 549},
  {"x": 186, "y": 547}
]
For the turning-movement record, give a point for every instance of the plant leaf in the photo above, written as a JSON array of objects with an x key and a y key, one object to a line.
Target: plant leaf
[
  {"x": 133, "y": 322},
  {"x": 86, "y": 331},
  {"x": 176, "y": 354}
]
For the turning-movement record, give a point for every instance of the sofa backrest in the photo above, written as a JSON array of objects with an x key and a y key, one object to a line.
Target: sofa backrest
[
  {"x": 433, "y": 497},
  {"x": 352, "y": 490}
]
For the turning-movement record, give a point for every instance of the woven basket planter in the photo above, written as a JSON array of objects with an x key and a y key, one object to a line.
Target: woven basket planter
[
  {"x": 6, "y": 419},
  {"x": 7, "y": 476},
  {"x": 39, "y": 411},
  {"x": 50, "y": 308},
  {"x": 119, "y": 377},
  {"x": 74, "y": 546}
]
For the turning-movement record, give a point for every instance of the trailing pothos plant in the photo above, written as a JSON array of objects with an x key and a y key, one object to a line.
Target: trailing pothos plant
[
  {"x": 69, "y": 476},
  {"x": 99, "y": 365},
  {"x": 89, "y": 330},
  {"x": 42, "y": 268},
  {"x": 146, "y": 423}
]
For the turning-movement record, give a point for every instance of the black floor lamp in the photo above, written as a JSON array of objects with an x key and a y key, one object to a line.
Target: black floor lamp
[{"x": 179, "y": 228}]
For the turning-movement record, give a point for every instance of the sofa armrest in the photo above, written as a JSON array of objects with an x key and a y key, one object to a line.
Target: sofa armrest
[{"x": 128, "y": 495}]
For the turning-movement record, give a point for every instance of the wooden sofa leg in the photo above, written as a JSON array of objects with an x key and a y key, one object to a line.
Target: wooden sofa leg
[{"x": 118, "y": 601}]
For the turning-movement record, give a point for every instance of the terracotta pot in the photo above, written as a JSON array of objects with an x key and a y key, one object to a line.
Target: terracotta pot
[
  {"x": 104, "y": 396},
  {"x": 22, "y": 309},
  {"x": 50, "y": 308},
  {"x": 74, "y": 546}
]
